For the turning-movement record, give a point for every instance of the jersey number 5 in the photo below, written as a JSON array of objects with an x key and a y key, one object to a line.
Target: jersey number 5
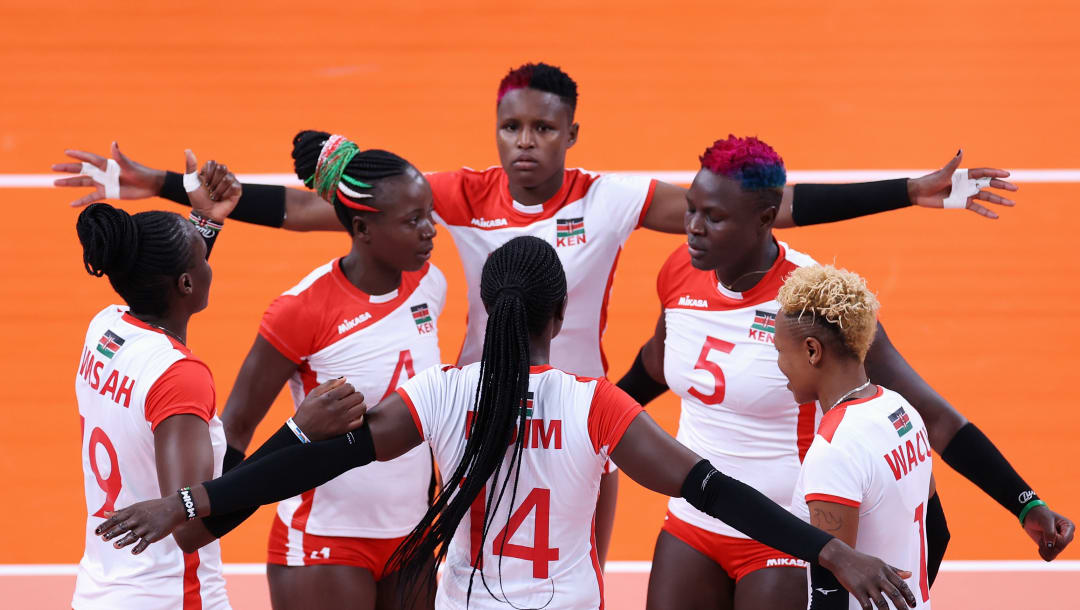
[{"x": 704, "y": 364}]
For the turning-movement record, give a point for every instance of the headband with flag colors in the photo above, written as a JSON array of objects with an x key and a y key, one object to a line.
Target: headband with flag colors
[{"x": 330, "y": 180}]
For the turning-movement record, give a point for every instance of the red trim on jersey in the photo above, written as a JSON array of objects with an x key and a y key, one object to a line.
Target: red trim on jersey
[
  {"x": 603, "y": 310},
  {"x": 192, "y": 586},
  {"x": 833, "y": 499},
  {"x": 805, "y": 428},
  {"x": 679, "y": 278},
  {"x": 648, "y": 203},
  {"x": 300, "y": 517},
  {"x": 185, "y": 388},
  {"x": 539, "y": 368},
  {"x": 831, "y": 420},
  {"x": 298, "y": 325},
  {"x": 610, "y": 414},
  {"x": 132, "y": 320},
  {"x": 596, "y": 561},
  {"x": 412, "y": 410},
  {"x": 461, "y": 196}
]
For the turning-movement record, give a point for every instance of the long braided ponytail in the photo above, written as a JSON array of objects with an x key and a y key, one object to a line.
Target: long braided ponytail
[{"x": 523, "y": 287}]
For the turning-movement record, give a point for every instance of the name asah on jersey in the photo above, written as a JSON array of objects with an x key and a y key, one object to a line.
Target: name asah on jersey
[
  {"x": 422, "y": 317},
  {"x": 908, "y": 455},
  {"x": 569, "y": 231},
  {"x": 537, "y": 433},
  {"x": 117, "y": 389},
  {"x": 347, "y": 325}
]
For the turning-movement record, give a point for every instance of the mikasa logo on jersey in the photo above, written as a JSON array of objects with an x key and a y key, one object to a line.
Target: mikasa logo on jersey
[
  {"x": 485, "y": 223},
  {"x": 350, "y": 324},
  {"x": 688, "y": 301}
]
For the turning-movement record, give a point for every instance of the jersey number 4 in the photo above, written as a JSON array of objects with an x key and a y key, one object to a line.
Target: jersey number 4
[
  {"x": 704, "y": 364},
  {"x": 539, "y": 502}
]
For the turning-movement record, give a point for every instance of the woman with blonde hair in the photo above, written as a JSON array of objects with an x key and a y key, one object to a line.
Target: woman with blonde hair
[{"x": 867, "y": 475}]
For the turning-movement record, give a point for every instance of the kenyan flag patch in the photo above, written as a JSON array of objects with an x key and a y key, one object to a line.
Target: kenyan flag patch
[
  {"x": 569, "y": 231},
  {"x": 422, "y": 317},
  {"x": 109, "y": 343},
  {"x": 763, "y": 327},
  {"x": 900, "y": 421},
  {"x": 528, "y": 406}
]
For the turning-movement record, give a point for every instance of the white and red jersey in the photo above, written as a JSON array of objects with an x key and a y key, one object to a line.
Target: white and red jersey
[
  {"x": 549, "y": 556},
  {"x": 586, "y": 222},
  {"x": 720, "y": 359},
  {"x": 331, "y": 328},
  {"x": 874, "y": 454},
  {"x": 131, "y": 378}
]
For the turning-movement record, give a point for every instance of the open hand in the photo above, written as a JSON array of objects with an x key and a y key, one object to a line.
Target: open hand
[
  {"x": 1051, "y": 531},
  {"x": 136, "y": 180},
  {"x": 931, "y": 190},
  {"x": 331, "y": 409}
]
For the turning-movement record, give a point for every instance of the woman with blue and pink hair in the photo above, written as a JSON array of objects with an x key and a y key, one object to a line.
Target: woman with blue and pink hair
[{"x": 713, "y": 346}]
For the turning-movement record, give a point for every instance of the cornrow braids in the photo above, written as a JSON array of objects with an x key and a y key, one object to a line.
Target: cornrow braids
[
  {"x": 522, "y": 286},
  {"x": 142, "y": 254},
  {"x": 341, "y": 173},
  {"x": 542, "y": 77},
  {"x": 835, "y": 299}
]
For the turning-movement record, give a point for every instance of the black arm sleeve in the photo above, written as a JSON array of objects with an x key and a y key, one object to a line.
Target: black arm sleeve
[
  {"x": 289, "y": 471},
  {"x": 937, "y": 537},
  {"x": 813, "y": 204},
  {"x": 260, "y": 204},
  {"x": 747, "y": 510},
  {"x": 639, "y": 384},
  {"x": 973, "y": 455},
  {"x": 223, "y": 524},
  {"x": 826, "y": 592}
]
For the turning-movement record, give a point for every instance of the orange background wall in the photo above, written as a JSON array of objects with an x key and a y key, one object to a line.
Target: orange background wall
[{"x": 984, "y": 310}]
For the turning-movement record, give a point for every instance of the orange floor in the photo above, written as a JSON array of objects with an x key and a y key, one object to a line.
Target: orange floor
[{"x": 983, "y": 309}]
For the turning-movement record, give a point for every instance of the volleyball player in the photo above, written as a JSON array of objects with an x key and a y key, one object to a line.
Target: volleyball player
[
  {"x": 713, "y": 346},
  {"x": 369, "y": 316},
  {"x": 146, "y": 402},
  {"x": 526, "y": 445},
  {"x": 587, "y": 217},
  {"x": 867, "y": 474}
]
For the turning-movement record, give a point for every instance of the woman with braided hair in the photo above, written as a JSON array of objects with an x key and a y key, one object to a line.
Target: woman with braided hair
[
  {"x": 146, "y": 403},
  {"x": 525, "y": 445},
  {"x": 369, "y": 316}
]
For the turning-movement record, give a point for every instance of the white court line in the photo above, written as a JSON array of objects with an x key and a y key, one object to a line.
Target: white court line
[
  {"x": 681, "y": 177},
  {"x": 613, "y": 567}
]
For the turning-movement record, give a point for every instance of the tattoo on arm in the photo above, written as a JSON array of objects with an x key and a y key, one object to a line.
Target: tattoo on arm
[{"x": 827, "y": 520}]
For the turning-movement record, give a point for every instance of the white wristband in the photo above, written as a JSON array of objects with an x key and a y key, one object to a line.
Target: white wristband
[
  {"x": 297, "y": 431},
  {"x": 962, "y": 188},
  {"x": 191, "y": 182}
]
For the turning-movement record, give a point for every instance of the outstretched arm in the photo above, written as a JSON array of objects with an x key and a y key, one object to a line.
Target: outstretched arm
[
  {"x": 807, "y": 204},
  {"x": 263, "y": 204},
  {"x": 655, "y": 460},
  {"x": 967, "y": 450}
]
